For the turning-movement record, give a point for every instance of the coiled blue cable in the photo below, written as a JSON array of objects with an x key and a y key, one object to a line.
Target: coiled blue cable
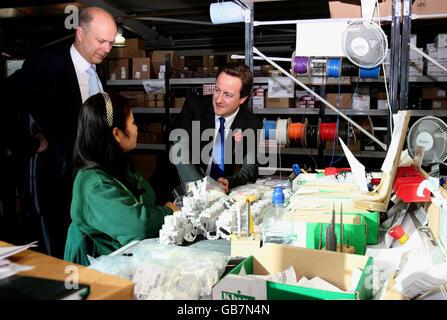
[
  {"x": 372, "y": 73},
  {"x": 333, "y": 67},
  {"x": 270, "y": 129}
]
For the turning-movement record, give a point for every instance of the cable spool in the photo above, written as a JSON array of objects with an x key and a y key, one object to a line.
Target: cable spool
[
  {"x": 299, "y": 65},
  {"x": 282, "y": 128},
  {"x": 311, "y": 136},
  {"x": 269, "y": 129},
  {"x": 372, "y": 73},
  {"x": 348, "y": 69},
  {"x": 298, "y": 132},
  {"x": 328, "y": 131},
  {"x": 366, "y": 124},
  {"x": 333, "y": 68},
  {"x": 318, "y": 67}
]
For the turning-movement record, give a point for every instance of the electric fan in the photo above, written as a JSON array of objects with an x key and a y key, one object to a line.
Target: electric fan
[
  {"x": 430, "y": 133},
  {"x": 364, "y": 43}
]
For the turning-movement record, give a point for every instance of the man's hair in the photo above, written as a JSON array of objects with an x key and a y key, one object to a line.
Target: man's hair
[
  {"x": 240, "y": 70},
  {"x": 85, "y": 18}
]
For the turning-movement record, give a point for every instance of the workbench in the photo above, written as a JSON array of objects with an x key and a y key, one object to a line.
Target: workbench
[{"x": 102, "y": 286}]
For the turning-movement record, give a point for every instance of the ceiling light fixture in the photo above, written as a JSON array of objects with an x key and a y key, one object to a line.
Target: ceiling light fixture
[{"x": 120, "y": 41}]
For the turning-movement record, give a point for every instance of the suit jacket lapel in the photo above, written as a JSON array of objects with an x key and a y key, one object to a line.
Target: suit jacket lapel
[{"x": 72, "y": 78}]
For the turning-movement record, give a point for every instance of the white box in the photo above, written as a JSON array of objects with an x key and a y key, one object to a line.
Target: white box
[
  {"x": 258, "y": 102},
  {"x": 414, "y": 55},
  {"x": 430, "y": 46},
  {"x": 413, "y": 39},
  {"x": 360, "y": 101},
  {"x": 434, "y": 70},
  {"x": 441, "y": 40},
  {"x": 382, "y": 104},
  {"x": 442, "y": 53},
  {"x": 416, "y": 67}
]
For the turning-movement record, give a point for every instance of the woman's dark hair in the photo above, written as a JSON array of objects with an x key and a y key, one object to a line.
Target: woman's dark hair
[
  {"x": 95, "y": 147},
  {"x": 240, "y": 70}
]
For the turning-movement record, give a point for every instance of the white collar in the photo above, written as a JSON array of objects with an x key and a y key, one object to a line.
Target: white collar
[
  {"x": 228, "y": 120},
  {"x": 79, "y": 61}
]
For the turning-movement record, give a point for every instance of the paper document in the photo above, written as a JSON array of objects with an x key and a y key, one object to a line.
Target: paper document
[
  {"x": 398, "y": 120},
  {"x": 9, "y": 251},
  {"x": 358, "y": 169}
]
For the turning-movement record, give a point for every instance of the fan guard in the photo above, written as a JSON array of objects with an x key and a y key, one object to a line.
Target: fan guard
[
  {"x": 364, "y": 43},
  {"x": 431, "y": 133}
]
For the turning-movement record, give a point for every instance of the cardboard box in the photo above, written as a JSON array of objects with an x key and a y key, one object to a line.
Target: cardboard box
[
  {"x": 334, "y": 267},
  {"x": 307, "y": 230},
  {"x": 135, "y": 43},
  {"x": 160, "y": 97},
  {"x": 416, "y": 67},
  {"x": 345, "y": 9},
  {"x": 159, "y": 104},
  {"x": 126, "y": 53},
  {"x": 277, "y": 102},
  {"x": 136, "y": 98},
  {"x": 179, "y": 102},
  {"x": 434, "y": 93},
  {"x": 439, "y": 104},
  {"x": 118, "y": 69},
  {"x": 141, "y": 68},
  {"x": 345, "y": 98},
  {"x": 372, "y": 221},
  {"x": 429, "y": 6},
  {"x": 158, "y": 58},
  {"x": 274, "y": 73}
]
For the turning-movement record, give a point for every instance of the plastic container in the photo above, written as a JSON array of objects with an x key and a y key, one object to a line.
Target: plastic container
[{"x": 277, "y": 225}]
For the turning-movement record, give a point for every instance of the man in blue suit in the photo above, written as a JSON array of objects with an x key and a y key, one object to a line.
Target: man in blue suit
[{"x": 51, "y": 87}]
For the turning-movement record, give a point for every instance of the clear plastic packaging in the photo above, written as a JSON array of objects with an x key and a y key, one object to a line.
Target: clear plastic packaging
[{"x": 189, "y": 273}]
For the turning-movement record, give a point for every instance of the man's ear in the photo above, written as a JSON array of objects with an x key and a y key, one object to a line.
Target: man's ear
[
  {"x": 116, "y": 134},
  {"x": 242, "y": 100},
  {"x": 80, "y": 33}
]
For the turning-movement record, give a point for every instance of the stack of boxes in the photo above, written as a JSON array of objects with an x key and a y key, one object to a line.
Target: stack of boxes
[
  {"x": 304, "y": 99},
  {"x": 438, "y": 51},
  {"x": 156, "y": 100},
  {"x": 150, "y": 133},
  {"x": 129, "y": 62},
  {"x": 258, "y": 96},
  {"x": 437, "y": 97},
  {"x": 416, "y": 65}
]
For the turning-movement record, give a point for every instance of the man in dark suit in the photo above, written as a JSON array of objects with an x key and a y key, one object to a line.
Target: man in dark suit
[
  {"x": 51, "y": 87},
  {"x": 230, "y": 156}
]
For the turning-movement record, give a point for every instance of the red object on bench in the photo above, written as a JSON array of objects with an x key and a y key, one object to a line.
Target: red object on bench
[{"x": 406, "y": 184}]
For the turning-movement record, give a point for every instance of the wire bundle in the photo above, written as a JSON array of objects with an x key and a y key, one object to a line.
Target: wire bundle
[
  {"x": 312, "y": 135},
  {"x": 348, "y": 69},
  {"x": 328, "y": 131},
  {"x": 365, "y": 124},
  {"x": 333, "y": 68},
  {"x": 269, "y": 129},
  {"x": 372, "y": 73},
  {"x": 297, "y": 132},
  {"x": 282, "y": 127},
  {"x": 299, "y": 64}
]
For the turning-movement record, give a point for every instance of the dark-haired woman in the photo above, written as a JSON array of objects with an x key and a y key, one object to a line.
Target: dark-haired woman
[{"x": 112, "y": 203}]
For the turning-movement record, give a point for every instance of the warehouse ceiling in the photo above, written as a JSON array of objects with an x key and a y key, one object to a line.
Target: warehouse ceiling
[
  {"x": 27, "y": 26},
  {"x": 182, "y": 25}
]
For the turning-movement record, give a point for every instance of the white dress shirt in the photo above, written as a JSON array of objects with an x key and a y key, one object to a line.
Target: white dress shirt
[{"x": 81, "y": 65}]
